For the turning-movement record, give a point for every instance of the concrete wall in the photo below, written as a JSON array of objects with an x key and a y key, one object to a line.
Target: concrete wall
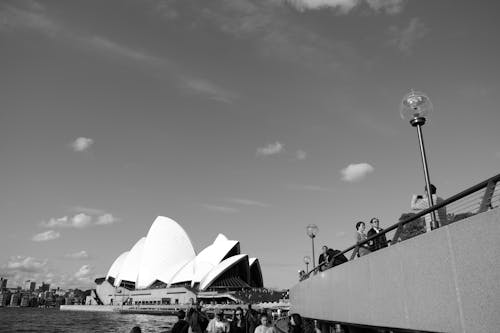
[{"x": 447, "y": 280}]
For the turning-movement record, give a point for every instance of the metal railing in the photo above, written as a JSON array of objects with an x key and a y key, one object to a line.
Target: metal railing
[{"x": 474, "y": 200}]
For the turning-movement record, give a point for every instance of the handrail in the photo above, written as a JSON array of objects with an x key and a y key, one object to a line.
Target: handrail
[{"x": 484, "y": 184}]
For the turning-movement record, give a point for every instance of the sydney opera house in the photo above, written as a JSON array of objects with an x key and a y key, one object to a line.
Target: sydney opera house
[{"x": 163, "y": 268}]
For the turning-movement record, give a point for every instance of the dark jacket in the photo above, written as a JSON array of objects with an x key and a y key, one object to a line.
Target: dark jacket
[
  {"x": 251, "y": 321},
  {"x": 198, "y": 321},
  {"x": 181, "y": 326},
  {"x": 322, "y": 261},
  {"x": 233, "y": 328},
  {"x": 377, "y": 243},
  {"x": 336, "y": 259}
]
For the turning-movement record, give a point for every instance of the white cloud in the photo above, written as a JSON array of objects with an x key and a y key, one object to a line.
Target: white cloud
[
  {"x": 77, "y": 255},
  {"x": 220, "y": 209},
  {"x": 83, "y": 272},
  {"x": 345, "y": 6},
  {"x": 356, "y": 172},
  {"x": 82, "y": 144},
  {"x": 246, "y": 202},
  {"x": 389, "y": 6},
  {"x": 106, "y": 219},
  {"x": 209, "y": 89},
  {"x": 271, "y": 149},
  {"x": 80, "y": 220},
  {"x": 46, "y": 236},
  {"x": 26, "y": 264},
  {"x": 300, "y": 155},
  {"x": 405, "y": 38}
]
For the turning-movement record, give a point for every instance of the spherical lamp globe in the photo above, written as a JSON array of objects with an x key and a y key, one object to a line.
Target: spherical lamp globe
[
  {"x": 312, "y": 230},
  {"x": 415, "y": 105}
]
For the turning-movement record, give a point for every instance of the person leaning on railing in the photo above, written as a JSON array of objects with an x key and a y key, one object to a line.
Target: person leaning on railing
[
  {"x": 419, "y": 203},
  {"x": 323, "y": 258}
]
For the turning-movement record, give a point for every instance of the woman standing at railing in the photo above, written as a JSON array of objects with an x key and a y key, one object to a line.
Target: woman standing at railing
[{"x": 360, "y": 237}]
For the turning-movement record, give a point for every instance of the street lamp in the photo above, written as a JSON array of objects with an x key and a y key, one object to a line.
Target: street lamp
[
  {"x": 415, "y": 107},
  {"x": 312, "y": 231},
  {"x": 307, "y": 260}
]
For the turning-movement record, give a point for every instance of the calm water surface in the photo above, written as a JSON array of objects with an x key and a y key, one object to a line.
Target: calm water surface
[{"x": 53, "y": 320}]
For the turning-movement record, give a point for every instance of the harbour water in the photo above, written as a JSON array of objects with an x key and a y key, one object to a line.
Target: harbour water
[{"x": 55, "y": 321}]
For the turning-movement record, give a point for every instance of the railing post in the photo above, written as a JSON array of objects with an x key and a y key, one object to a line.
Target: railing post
[{"x": 486, "y": 201}]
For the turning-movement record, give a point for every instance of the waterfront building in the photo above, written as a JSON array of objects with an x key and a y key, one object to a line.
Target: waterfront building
[
  {"x": 29, "y": 285},
  {"x": 25, "y": 300},
  {"x": 3, "y": 283},
  {"x": 163, "y": 268},
  {"x": 44, "y": 287},
  {"x": 4, "y": 298},
  {"x": 15, "y": 299}
]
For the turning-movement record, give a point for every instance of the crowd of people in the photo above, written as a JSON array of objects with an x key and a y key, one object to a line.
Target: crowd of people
[{"x": 249, "y": 321}]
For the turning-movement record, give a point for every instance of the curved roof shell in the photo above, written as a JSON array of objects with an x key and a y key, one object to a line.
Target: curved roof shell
[
  {"x": 167, "y": 249},
  {"x": 256, "y": 279},
  {"x": 117, "y": 264},
  {"x": 130, "y": 267},
  {"x": 225, "y": 265},
  {"x": 185, "y": 274},
  {"x": 212, "y": 255}
]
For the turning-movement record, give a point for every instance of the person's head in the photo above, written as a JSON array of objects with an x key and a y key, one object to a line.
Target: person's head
[
  {"x": 296, "y": 320},
  {"x": 238, "y": 314},
  {"x": 374, "y": 222},
  {"x": 219, "y": 314},
  {"x": 181, "y": 314},
  {"x": 433, "y": 189},
  {"x": 135, "y": 329},
  {"x": 324, "y": 248},
  {"x": 264, "y": 320},
  {"x": 360, "y": 226}
]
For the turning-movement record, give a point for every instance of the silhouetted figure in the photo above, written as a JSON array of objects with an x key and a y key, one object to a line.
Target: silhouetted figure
[
  {"x": 181, "y": 326},
  {"x": 251, "y": 319},
  {"x": 197, "y": 320},
  {"x": 295, "y": 324},
  {"x": 335, "y": 258},
  {"x": 136, "y": 329}
]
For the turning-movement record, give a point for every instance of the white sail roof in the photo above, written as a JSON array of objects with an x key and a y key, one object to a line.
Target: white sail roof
[
  {"x": 211, "y": 256},
  {"x": 221, "y": 268},
  {"x": 167, "y": 249},
  {"x": 130, "y": 267},
  {"x": 117, "y": 264},
  {"x": 251, "y": 261},
  {"x": 185, "y": 274}
]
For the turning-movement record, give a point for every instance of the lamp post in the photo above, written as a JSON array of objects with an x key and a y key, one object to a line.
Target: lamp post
[
  {"x": 312, "y": 231},
  {"x": 415, "y": 107},
  {"x": 307, "y": 260}
]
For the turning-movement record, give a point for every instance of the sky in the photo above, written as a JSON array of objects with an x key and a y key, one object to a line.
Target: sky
[{"x": 251, "y": 118}]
